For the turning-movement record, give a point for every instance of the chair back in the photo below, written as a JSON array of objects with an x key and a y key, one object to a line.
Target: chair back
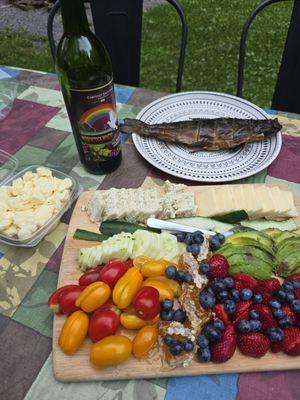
[
  {"x": 118, "y": 24},
  {"x": 287, "y": 90}
]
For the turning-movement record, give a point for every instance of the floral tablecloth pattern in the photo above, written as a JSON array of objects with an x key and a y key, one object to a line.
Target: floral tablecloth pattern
[{"x": 37, "y": 131}]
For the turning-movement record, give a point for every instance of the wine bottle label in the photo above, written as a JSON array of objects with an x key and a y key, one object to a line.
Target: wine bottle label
[{"x": 95, "y": 114}]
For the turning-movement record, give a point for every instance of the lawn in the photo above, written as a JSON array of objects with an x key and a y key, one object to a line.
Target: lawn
[{"x": 212, "y": 51}]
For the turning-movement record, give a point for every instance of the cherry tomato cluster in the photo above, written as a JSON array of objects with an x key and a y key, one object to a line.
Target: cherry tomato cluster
[{"x": 117, "y": 294}]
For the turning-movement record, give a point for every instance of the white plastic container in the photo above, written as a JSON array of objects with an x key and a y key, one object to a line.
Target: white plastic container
[{"x": 8, "y": 166}]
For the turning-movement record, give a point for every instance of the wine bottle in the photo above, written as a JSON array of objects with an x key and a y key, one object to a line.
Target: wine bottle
[{"x": 85, "y": 72}]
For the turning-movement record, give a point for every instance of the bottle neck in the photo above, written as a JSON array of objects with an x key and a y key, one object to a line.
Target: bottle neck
[{"x": 74, "y": 16}]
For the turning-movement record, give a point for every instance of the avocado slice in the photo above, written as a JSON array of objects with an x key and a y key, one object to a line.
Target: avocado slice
[
  {"x": 252, "y": 238},
  {"x": 272, "y": 232},
  {"x": 283, "y": 236},
  {"x": 288, "y": 245},
  {"x": 249, "y": 264},
  {"x": 289, "y": 265},
  {"x": 229, "y": 250},
  {"x": 264, "y": 240}
]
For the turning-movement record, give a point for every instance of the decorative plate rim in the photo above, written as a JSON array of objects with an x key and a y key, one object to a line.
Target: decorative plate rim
[{"x": 143, "y": 152}]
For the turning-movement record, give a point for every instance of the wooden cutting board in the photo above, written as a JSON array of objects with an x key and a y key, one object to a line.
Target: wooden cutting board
[{"x": 78, "y": 367}]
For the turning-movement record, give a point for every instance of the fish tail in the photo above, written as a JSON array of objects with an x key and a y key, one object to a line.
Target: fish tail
[{"x": 133, "y": 126}]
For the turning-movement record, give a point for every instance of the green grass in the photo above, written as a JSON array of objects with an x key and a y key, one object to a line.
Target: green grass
[
  {"x": 213, "y": 42},
  {"x": 21, "y": 49},
  {"x": 212, "y": 51}
]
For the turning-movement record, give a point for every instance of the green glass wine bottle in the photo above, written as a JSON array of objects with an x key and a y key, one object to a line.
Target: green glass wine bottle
[{"x": 85, "y": 72}]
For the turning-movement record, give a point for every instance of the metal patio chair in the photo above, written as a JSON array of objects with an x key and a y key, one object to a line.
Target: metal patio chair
[
  {"x": 118, "y": 23},
  {"x": 287, "y": 89}
]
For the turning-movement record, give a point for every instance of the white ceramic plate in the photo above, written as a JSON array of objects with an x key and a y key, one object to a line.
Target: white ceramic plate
[{"x": 205, "y": 166}]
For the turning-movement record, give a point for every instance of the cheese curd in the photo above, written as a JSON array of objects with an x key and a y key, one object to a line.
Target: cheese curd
[{"x": 31, "y": 201}]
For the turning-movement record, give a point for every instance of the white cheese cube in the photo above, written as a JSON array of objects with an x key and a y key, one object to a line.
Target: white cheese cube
[
  {"x": 11, "y": 231},
  {"x": 42, "y": 171},
  {"x": 42, "y": 214},
  {"x": 27, "y": 230},
  {"x": 28, "y": 176}
]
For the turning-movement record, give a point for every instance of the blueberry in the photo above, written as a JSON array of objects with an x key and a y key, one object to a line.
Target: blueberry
[
  {"x": 218, "y": 324},
  {"x": 275, "y": 334},
  {"x": 296, "y": 284},
  {"x": 290, "y": 297},
  {"x": 210, "y": 291},
  {"x": 257, "y": 298},
  {"x": 188, "y": 278},
  {"x": 202, "y": 341},
  {"x": 288, "y": 287},
  {"x": 246, "y": 294},
  {"x": 285, "y": 322},
  {"x": 204, "y": 268},
  {"x": 254, "y": 314},
  {"x": 296, "y": 306},
  {"x": 179, "y": 276},
  {"x": 235, "y": 295},
  {"x": 212, "y": 334},
  {"x": 169, "y": 340},
  {"x": 188, "y": 239},
  {"x": 179, "y": 315},
  {"x": 228, "y": 282},
  {"x": 255, "y": 325},
  {"x": 176, "y": 349},
  {"x": 204, "y": 354},
  {"x": 170, "y": 271},
  {"x": 188, "y": 346},
  {"x": 166, "y": 315},
  {"x": 180, "y": 236},
  {"x": 221, "y": 238},
  {"x": 207, "y": 300},
  {"x": 274, "y": 304},
  {"x": 278, "y": 314},
  {"x": 218, "y": 285},
  {"x": 244, "y": 326},
  {"x": 193, "y": 248},
  {"x": 222, "y": 296},
  {"x": 198, "y": 237},
  {"x": 281, "y": 295},
  {"x": 166, "y": 305},
  {"x": 215, "y": 244},
  {"x": 230, "y": 306}
]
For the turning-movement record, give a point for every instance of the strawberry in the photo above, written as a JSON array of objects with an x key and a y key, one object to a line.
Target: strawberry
[
  {"x": 242, "y": 311},
  {"x": 267, "y": 288},
  {"x": 219, "y": 267},
  {"x": 220, "y": 313},
  {"x": 244, "y": 281},
  {"x": 290, "y": 343},
  {"x": 253, "y": 344},
  {"x": 265, "y": 316},
  {"x": 290, "y": 313},
  {"x": 224, "y": 349}
]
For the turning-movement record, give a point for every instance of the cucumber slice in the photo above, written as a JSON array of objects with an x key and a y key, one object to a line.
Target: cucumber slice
[
  {"x": 221, "y": 227},
  {"x": 233, "y": 218},
  {"x": 195, "y": 222},
  {"x": 262, "y": 224},
  {"x": 118, "y": 246},
  {"x": 209, "y": 224}
]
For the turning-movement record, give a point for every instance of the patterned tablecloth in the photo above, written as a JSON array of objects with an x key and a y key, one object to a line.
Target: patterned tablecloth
[{"x": 37, "y": 131}]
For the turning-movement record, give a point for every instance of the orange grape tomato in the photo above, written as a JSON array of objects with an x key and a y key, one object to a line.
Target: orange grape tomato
[
  {"x": 111, "y": 350},
  {"x": 132, "y": 321},
  {"x": 140, "y": 260},
  {"x": 153, "y": 268},
  {"x": 164, "y": 290},
  {"x": 144, "y": 340}
]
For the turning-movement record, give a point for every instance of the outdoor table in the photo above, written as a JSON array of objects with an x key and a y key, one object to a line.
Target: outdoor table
[{"x": 37, "y": 131}]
